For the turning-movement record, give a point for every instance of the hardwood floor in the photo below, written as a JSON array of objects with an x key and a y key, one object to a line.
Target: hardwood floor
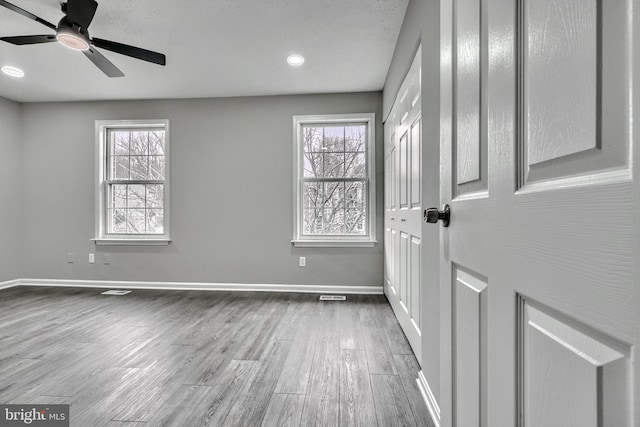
[{"x": 192, "y": 358}]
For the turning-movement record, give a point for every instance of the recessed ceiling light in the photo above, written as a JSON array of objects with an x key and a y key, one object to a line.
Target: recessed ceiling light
[
  {"x": 295, "y": 60},
  {"x": 12, "y": 71}
]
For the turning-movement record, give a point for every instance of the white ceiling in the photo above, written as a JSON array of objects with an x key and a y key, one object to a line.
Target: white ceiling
[{"x": 214, "y": 48}]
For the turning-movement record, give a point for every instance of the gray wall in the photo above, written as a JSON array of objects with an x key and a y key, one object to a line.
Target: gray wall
[
  {"x": 422, "y": 23},
  {"x": 10, "y": 185},
  {"x": 231, "y": 193}
]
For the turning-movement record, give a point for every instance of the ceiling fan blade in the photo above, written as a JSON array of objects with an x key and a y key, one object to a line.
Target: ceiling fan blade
[
  {"x": 81, "y": 12},
  {"x": 103, "y": 63},
  {"x": 134, "y": 52},
  {"x": 26, "y": 14},
  {"x": 20, "y": 40}
]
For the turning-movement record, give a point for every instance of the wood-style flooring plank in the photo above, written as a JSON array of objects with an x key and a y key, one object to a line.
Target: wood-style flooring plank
[
  {"x": 379, "y": 356},
  {"x": 321, "y": 405},
  {"x": 284, "y": 410},
  {"x": 357, "y": 407},
  {"x": 294, "y": 378},
  {"x": 350, "y": 327},
  {"x": 207, "y": 405},
  {"x": 398, "y": 343},
  {"x": 392, "y": 406},
  {"x": 320, "y": 411},
  {"x": 408, "y": 369},
  {"x": 253, "y": 399}
]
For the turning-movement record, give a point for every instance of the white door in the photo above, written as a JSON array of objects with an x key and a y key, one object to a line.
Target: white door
[
  {"x": 403, "y": 207},
  {"x": 539, "y": 278}
]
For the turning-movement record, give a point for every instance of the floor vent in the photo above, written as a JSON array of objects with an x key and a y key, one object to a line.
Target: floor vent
[
  {"x": 116, "y": 292},
  {"x": 332, "y": 298}
]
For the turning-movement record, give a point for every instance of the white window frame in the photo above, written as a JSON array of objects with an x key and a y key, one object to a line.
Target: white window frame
[
  {"x": 102, "y": 128},
  {"x": 325, "y": 240}
]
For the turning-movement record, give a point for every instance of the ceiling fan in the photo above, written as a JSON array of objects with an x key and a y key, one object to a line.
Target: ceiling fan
[{"x": 72, "y": 31}]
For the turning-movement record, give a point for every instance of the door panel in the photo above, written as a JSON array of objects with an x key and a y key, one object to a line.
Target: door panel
[
  {"x": 470, "y": 314},
  {"x": 414, "y": 282},
  {"x": 416, "y": 172},
  {"x": 573, "y": 90},
  {"x": 550, "y": 230},
  {"x": 468, "y": 91},
  {"x": 403, "y": 216},
  {"x": 590, "y": 371},
  {"x": 404, "y": 181},
  {"x": 470, "y": 143},
  {"x": 404, "y": 270},
  {"x": 393, "y": 276},
  {"x": 561, "y": 56}
]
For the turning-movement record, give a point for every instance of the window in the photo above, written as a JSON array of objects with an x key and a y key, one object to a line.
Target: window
[
  {"x": 132, "y": 202},
  {"x": 334, "y": 180}
]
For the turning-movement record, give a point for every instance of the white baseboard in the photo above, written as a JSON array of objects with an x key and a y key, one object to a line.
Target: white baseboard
[
  {"x": 429, "y": 398},
  {"x": 9, "y": 284},
  {"x": 324, "y": 289}
]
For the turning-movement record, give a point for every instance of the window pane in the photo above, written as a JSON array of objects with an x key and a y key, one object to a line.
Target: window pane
[
  {"x": 120, "y": 167},
  {"x": 118, "y": 220},
  {"x": 118, "y": 196},
  {"x": 156, "y": 167},
  {"x": 355, "y": 137},
  {"x": 156, "y": 142},
  {"x": 139, "y": 167},
  {"x": 311, "y": 195},
  {"x": 355, "y": 166},
  {"x": 355, "y": 222},
  {"x": 313, "y": 165},
  {"x": 139, "y": 143},
  {"x": 333, "y": 195},
  {"x": 333, "y": 165},
  {"x": 135, "y": 221},
  {"x": 312, "y": 139},
  {"x": 333, "y": 221},
  {"x": 120, "y": 143},
  {"x": 334, "y": 139},
  {"x": 155, "y": 221},
  {"x": 312, "y": 221},
  {"x": 355, "y": 195},
  {"x": 155, "y": 196},
  {"x": 136, "y": 196}
]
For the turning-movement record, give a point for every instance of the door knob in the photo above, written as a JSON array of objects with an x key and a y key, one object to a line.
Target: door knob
[{"x": 433, "y": 215}]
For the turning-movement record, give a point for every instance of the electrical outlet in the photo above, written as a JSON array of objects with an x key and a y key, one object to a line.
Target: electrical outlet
[
  {"x": 303, "y": 261},
  {"x": 92, "y": 258},
  {"x": 71, "y": 258}
]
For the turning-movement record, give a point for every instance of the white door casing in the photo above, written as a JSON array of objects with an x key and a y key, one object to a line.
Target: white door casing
[
  {"x": 539, "y": 266},
  {"x": 403, "y": 206}
]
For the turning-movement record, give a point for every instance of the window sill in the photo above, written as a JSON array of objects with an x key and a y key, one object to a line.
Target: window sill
[
  {"x": 334, "y": 243},
  {"x": 131, "y": 242}
]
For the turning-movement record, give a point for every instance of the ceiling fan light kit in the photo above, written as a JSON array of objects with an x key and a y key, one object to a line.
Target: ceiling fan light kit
[
  {"x": 72, "y": 39},
  {"x": 72, "y": 32}
]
